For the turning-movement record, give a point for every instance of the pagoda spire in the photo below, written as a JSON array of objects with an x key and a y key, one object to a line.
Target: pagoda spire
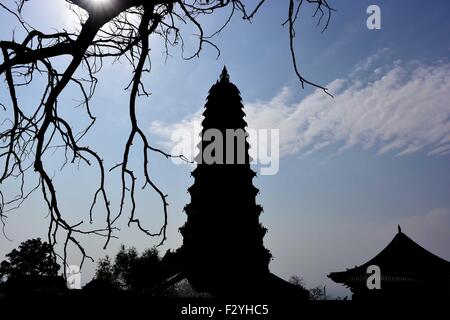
[{"x": 224, "y": 76}]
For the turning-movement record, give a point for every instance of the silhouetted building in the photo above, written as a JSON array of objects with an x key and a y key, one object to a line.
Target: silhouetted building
[
  {"x": 223, "y": 251},
  {"x": 407, "y": 271}
]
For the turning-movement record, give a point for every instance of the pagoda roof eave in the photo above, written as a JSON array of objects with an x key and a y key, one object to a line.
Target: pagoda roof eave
[{"x": 401, "y": 255}]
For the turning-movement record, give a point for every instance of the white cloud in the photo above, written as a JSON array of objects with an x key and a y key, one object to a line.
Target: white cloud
[
  {"x": 182, "y": 137},
  {"x": 402, "y": 107}
]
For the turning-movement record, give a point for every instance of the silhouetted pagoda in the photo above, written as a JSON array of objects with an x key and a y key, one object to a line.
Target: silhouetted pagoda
[
  {"x": 408, "y": 271},
  {"x": 223, "y": 251}
]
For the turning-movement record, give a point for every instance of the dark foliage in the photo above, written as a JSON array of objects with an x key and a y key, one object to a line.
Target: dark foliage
[
  {"x": 130, "y": 271},
  {"x": 32, "y": 267},
  {"x": 32, "y": 258}
]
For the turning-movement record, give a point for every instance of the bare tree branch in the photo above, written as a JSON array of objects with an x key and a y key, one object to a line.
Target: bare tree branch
[{"x": 118, "y": 30}]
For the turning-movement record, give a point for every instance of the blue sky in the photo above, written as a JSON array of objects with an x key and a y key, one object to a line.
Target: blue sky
[{"x": 351, "y": 168}]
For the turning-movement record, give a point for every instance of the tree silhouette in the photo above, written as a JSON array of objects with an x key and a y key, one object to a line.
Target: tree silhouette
[
  {"x": 149, "y": 270},
  {"x": 125, "y": 265},
  {"x": 115, "y": 29},
  {"x": 129, "y": 271},
  {"x": 297, "y": 281},
  {"x": 316, "y": 293},
  {"x": 33, "y": 258},
  {"x": 104, "y": 276}
]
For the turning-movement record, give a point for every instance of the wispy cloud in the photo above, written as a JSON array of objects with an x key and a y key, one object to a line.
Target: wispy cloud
[{"x": 400, "y": 107}]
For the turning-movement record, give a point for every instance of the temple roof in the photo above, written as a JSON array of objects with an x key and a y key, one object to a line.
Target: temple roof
[{"x": 401, "y": 257}]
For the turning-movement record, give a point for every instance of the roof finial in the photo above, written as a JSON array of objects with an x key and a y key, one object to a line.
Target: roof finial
[
  {"x": 399, "y": 229},
  {"x": 224, "y": 76}
]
